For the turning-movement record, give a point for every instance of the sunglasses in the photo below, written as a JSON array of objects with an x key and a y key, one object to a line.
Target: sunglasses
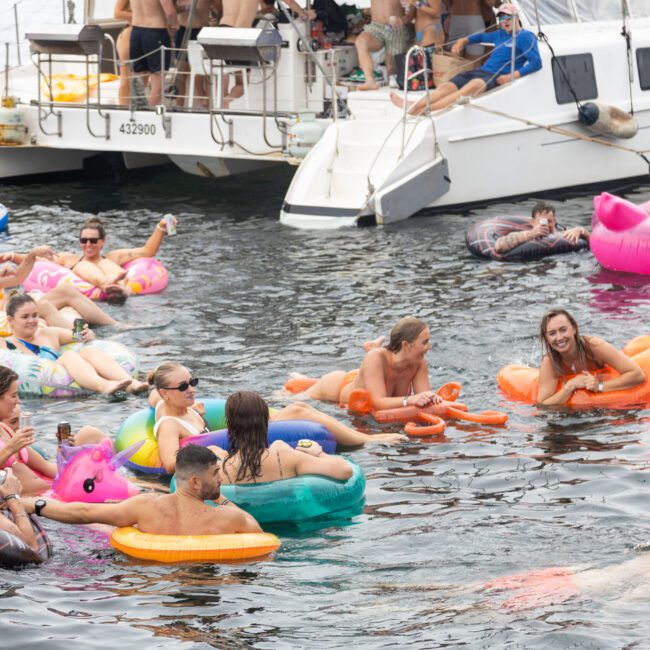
[
  {"x": 88, "y": 240},
  {"x": 503, "y": 17},
  {"x": 184, "y": 385}
]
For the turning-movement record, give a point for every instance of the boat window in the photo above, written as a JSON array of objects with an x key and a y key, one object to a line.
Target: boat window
[
  {"x": 551, "y": 12},
  {"x": 589, "y": 10},
  {"x": 640, "y": 8},
  {"x": 643, "y": 63},
  {"x": 574, "y": 72}
]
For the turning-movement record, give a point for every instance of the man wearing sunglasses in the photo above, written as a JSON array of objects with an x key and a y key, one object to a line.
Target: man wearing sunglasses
[
  {"x": 181, "y": 513},
  {"x": 496, "y": 71}
]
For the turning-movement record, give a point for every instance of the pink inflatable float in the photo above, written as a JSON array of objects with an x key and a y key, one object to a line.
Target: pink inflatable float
[
  {"x": 144, "y": 275},
  {"x": 620, "y": 236},
  {"x": 89, "y": 473}
]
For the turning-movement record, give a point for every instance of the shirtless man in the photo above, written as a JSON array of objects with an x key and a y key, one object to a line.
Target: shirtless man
[
  {"x": 152, "y": 22},
  {"x": 390, "y": 28},
  {"x": 467, "y": 18},
  {"x": 181, "y": 513},
  {"x": 200, "y": 18}
]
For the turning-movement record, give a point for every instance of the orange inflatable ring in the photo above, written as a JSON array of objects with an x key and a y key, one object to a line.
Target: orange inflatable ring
[
  {"x": 435, "y": 427},
  {"x": 184, "y": 548},
  {"x": 520, "y": 382},
  {"x": 484, "y": 417}
]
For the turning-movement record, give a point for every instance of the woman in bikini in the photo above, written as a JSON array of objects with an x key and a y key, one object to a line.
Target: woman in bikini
[
  {"x": 178, "y": 415},
  {"x": 105, "y": 271},
  {"x": 252, "y": 460},
  {"x": 567, "y": 352},
  {"x": 90, "y": 368},
  {"x": 15, "y": 444},
  {"x": 395, "y": 375}
]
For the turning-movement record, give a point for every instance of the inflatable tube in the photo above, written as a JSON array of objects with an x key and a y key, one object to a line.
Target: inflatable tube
[
  {"x": 607, "y": 120},
  {"x": 192, "y": 548},
  {"x": 44, "y": 378},
  {"x": 144, "y": 275},
  {"x": 139, "y": 426},
  {"x": 620, "y": 235},
  {"x": 299, "y": 498},
  {"x": 14, "y": 552},
  {"x": 4, "y": 218},
  {"x": 520, "y": 382},
  {"x": 482, "y": 236}
]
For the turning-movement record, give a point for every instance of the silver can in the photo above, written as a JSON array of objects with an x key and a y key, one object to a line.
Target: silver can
[{"x": 169, "y": 224}]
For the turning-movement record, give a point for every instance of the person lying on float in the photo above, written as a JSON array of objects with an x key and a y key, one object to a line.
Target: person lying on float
[
  {"x": 181, "y": 513},
  {"x": 10, "y": 500},
  {"x": 496, "y": 71},
  {"x": 568, "y": 353},
  {"x": 542, "y": 223},
  {"x": 105, "y": 271}
]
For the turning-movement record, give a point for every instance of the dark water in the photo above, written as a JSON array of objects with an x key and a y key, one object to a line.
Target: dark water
[{"x": 250, "y": 301}]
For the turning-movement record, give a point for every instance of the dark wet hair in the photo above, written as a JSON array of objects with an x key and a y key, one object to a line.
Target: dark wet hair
[
  {"x": 17, "y": 301},
  {"x": 192, "y": 460},
  {"x": 247, "y": 419},
  {"x": 582, "y": 346},
  {"x": 7, "y": 377},
  {"x": 406, "y": 329},
  {"x": 541, "y": 206},
  {"x": 158, "y": 377},
  {"x": 94, "y": 223}
]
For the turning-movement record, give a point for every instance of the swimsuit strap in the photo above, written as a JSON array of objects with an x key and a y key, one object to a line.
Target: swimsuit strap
[
  {"x": 188, "y": 425},
  {"x": 279, "y": 463},
  {"x": 32, "y": 347}
]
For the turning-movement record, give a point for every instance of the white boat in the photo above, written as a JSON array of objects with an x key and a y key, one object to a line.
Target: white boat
[{"x": 371, "y": 162}]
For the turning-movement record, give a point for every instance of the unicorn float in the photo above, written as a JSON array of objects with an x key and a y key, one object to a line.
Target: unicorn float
[{"x": 620, "y": 236}]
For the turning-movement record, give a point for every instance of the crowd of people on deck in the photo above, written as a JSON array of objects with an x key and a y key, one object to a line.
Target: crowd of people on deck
[{"x": 480, "y": 30}]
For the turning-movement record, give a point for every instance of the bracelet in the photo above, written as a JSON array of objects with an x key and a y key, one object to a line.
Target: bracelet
[
  {"x": 600, "y": 386},
  {"x": 10, "y": 496},
  {"x": 405, "y": 401}
]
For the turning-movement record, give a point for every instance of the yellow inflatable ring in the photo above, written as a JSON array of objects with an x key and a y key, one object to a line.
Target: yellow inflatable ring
[{"x": 186, "y": 548}]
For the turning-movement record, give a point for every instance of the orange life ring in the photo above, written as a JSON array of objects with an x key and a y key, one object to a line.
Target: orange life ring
[{"x": 521, "y": 382}]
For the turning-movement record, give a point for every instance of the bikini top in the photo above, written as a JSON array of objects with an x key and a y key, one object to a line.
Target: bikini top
[
  {"x": 186, "y": 425},
  {"x": 81, "y": 259},
  {"x": 389, "y": 374},
  {"x": 42, "y": 351},
  {"x": 22, "y": 456},
  {"x": 225, "y": 471}
]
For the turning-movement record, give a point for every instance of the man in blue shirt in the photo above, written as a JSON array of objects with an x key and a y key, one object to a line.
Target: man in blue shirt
[{"x": 496, "y": 71}]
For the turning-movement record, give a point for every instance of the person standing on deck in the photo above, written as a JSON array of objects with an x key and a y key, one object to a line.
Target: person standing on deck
[{"x": 466, "y": 18}]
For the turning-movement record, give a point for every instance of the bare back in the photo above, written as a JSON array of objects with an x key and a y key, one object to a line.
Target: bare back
[
  {"x": 275, "y": 465},
  {"x": 201, "y": 14},
  {"x": 148, "y": 13}
]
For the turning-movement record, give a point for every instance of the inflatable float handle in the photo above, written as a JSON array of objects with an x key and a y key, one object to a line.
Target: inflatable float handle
[
  {"x": 449, "y": 391},
  {"x": 617, "y": 213},
  {"x": 434, "y": 427},
  {"x": 484, "y": 417}
]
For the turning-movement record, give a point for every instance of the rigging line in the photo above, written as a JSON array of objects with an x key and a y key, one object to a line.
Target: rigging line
[
  {"x": 625, "y": 33},
  {"x": 561, "y": 131}
]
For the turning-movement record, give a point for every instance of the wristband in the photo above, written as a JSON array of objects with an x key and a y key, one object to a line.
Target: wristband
[
  {"x": 405, "y": 401},
  {"x": 10, "y": 496},
  {"x": 600, "y": 386}
]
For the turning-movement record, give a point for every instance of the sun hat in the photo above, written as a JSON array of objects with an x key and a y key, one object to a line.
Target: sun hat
[{"x": 507, "y": 9}]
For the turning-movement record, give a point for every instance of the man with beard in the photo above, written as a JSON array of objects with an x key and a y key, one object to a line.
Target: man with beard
[{"x": 181, "y": 513}]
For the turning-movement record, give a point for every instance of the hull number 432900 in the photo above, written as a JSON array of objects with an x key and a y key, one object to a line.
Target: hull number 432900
[{"x": 133, "y": 128}]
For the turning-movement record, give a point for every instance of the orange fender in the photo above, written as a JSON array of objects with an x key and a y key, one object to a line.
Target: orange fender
[
  {"x": 435, "y": 426},
  {"x": 484, "y": 417}
]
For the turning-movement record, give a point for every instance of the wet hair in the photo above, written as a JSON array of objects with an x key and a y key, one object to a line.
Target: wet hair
[
  {"x": 247, "y": 419},
  {"x": 17, "y": 301},
  {"x": 94, "y": 223},
  {"x": 7, "y": 378},
  {"x": 541, "y": 206},
  {"x": 406, "y": 329},
  {"x": 583, "y": 348},
  {"x": 192, "y": 460},
  {"x": 158, "y": 377}
]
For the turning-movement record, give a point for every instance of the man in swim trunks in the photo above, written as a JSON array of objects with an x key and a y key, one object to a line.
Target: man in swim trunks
[
  {"x": 181, "y": 513},
  {"x": 494, "y": 72},
  {"x": 152, "y": 21},
  {"x": 391, "y": 29},
  {"x": 542, "y": 223}
]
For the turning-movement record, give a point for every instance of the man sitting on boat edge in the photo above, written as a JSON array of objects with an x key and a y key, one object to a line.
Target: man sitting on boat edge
[{"x": 492, "y": 73}]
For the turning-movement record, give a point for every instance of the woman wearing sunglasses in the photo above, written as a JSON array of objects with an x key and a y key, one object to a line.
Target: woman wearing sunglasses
[
  {"x": 105, "y": 271},
  {"x": 178, "y": 416},
  {"x": 90, "y": 368}
]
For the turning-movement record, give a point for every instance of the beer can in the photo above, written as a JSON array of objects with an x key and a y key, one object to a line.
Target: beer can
[
  {"x": 169, "y": 224},
  {"x": 63, "y": 432}
]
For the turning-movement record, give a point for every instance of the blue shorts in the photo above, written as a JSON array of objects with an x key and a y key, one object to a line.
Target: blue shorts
[
  {"x": 145, "y": 46},
  {"x": 465, "y": 77},
  {"x": 178, "y": 38}
]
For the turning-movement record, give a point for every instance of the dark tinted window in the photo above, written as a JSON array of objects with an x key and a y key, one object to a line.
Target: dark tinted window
[
  {"x": 574, "y": 72},
  {"x": 643, "y": 63}
]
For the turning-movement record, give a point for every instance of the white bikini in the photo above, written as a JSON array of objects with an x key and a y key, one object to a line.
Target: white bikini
[{"x": 187, "y": 425}]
